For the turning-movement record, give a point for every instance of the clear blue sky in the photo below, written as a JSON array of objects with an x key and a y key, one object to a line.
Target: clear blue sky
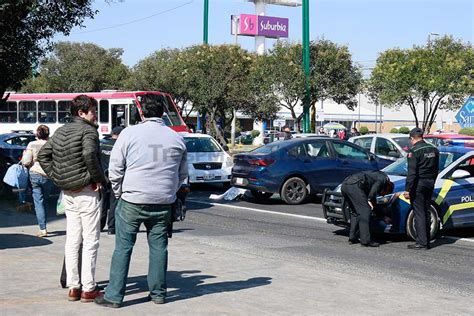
[{"x": 367, "y": 27}]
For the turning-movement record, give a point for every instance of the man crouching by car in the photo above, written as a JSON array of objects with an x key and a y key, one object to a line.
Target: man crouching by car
[{"x": 360, "y": 190}]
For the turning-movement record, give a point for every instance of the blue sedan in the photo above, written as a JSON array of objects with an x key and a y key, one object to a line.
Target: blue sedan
[
  {"x": 299, "y": 167},
  {"x": 452, "y": 204}
]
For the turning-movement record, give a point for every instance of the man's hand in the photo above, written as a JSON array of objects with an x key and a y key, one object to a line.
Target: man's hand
[
  {"x": 406, "y": 195},
  {"x": 96, "y": 186},
  {"x": 371, "y": 205}
]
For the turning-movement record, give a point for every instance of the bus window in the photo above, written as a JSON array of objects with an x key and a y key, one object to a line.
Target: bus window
[
  {"x": 170, "y": 111},
  {"x": 104, "y": 111},
  {"x": 47, "y": 111},
  {"x": 63, "y": 111},
  {"x": 118, "y": 115},
  {"x": 27, "y": 112},
  {"x": 8, "y": 112},
  {"x": 134, "y": 116}
]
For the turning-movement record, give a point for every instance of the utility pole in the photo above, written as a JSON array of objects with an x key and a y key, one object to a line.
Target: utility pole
[
  {"x": 205, "y": 37},
  {"x": 205, "y": 41},
  {"x": 307, "y": 99}
]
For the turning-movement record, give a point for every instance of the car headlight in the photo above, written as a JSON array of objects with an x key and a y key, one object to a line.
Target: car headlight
[{"x": 229, "y": 162}]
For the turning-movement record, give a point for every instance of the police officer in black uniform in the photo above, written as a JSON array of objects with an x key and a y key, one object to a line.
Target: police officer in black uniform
[
  {"x": 360, "y": 190},
  {"x": 423, "y": 161},
  {"x": 109, "y": 201}
]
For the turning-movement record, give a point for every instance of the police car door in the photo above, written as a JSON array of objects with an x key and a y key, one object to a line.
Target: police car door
[{"x": 456, "y": 196}]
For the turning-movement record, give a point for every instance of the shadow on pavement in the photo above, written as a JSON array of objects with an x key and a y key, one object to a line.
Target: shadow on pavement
[
  {"x": 11, "y": 241},
  {"x": 190, "y": 284}
]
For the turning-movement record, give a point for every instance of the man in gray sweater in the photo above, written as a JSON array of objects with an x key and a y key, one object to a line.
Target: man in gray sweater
[{"x": 147, "y": 166}]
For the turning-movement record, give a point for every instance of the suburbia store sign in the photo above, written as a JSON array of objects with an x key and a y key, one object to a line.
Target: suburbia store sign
[{"x": 260, "y": 25}]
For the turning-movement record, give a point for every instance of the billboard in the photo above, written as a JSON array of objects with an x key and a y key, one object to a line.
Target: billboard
[{"x": 261, "y": 25}]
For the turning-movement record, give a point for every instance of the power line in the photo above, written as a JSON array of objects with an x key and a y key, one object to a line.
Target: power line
[{"x": 136, "y": 20}]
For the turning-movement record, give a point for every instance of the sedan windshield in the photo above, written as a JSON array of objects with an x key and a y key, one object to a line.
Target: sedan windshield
[
  {"x": 400, "y": 167},
  {"x": 201, "y": 144}
]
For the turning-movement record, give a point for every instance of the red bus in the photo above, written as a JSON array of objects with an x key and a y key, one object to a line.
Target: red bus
[{"x": 24, "y": 112}]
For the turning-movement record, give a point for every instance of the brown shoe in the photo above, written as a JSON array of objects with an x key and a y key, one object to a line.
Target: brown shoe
[
  {"x": 87, "y": 297},
  {"x": 74, "y": 295}
]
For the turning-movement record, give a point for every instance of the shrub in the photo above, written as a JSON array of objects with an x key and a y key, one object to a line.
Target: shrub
[
  {"x": 255, "y": 133},
  {"x": 394, "y": 130},
  {"x": 404, "y": 130},
  {"x": 363, "y": 130},
  {"x": 467, "y": 131}
]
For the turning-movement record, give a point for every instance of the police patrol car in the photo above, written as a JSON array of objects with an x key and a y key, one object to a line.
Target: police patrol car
[{"x": 452, "y": 204}]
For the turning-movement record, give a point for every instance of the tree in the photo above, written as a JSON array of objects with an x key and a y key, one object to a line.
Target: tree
[
  {"x": 27, "y": 27},
  {"x": 332, "y": 74},
  {"x": 163, "y": 71},
  {"x": 221, "y": 78},
  {"x": 76, "y": 67},
  {"x": 437, "y": 76}
]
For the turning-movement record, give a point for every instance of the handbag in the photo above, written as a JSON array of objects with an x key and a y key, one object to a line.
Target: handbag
[
  {"x": 17, "y": 177},
  {"x": 60, "y": 206}
]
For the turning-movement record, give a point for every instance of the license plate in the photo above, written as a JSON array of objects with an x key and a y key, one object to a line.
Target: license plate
[
  {"x": 239, "y": 181},
  {"x": 209, "y": 177}
]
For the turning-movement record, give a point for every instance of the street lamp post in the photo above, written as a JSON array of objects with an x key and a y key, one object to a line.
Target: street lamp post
[{"x": 307, "y": 98}]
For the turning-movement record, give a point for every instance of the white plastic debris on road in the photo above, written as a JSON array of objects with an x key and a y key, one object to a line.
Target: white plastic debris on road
[{"x": 229, "y": 195}]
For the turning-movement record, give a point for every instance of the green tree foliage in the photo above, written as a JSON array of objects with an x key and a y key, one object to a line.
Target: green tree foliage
[
  {"x": 333, "y": 75},
  {"x": 394, "y": 130},
  {"x": 363, "y": 130},
  {"x": 27, "y": 27},
  {"x": 437, "y": 76},
  {"x": 404, "y": 130},
  {"x": 163, "y": 71},
  {"x": 76, "y": 67},
  {"x": 467, "y": 131}
]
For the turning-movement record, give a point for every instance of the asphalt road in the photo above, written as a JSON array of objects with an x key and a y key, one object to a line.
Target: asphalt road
[{"x": 300, "y": 233}]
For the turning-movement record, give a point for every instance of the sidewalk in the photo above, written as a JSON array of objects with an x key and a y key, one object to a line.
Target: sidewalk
[{"x": 204, "y": 278}]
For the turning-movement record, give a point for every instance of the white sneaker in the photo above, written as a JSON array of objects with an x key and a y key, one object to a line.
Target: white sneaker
[{"x": 42, "y": 233}]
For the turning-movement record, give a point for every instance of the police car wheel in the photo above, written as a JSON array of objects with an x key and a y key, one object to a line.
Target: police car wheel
[
  {"x": 434, "y": 226},
  {"x": 294, "y": 191}
]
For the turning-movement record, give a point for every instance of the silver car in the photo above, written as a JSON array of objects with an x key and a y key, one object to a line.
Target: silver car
[{"x": 386, "y": 146}]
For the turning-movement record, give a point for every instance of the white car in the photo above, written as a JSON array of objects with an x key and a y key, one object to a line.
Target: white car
[
  {"x": 386, "y": 146},
  {"x": 208, "y": 162}
]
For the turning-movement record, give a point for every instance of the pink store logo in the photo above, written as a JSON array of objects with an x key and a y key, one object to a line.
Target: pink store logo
[{"x": 248, "y": 24}]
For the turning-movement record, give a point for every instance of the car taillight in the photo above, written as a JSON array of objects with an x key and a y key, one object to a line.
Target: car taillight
[{"x": 261, "y": 162}]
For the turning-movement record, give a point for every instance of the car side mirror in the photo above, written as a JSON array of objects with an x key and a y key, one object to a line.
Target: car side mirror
[
  {"x": 371, "y": 157},
  {"x": 225, "y": 147},
  {"x": 460, "y": 174}
]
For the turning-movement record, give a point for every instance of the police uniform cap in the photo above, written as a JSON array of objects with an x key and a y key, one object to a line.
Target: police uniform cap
[
  {"x": 416, "y": 132},
  {"x": 117, "y": 130}
]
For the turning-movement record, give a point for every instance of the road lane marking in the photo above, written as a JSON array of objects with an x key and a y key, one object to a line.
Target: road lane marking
[
  {"x": 319, "y": 219},
  {"x": 259, "y": 210}
]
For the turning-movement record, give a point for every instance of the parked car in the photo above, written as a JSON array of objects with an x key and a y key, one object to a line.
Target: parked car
[
  {"x": 208, "y": 162},
  {"x": 452, "y": 203},
  {"x": 12, "y": 146},
  {"x": 244, "y": 139},
  {"x": 299, "y": 167},
  {"x": 450, "y": 139},
  {"x": 386, "y": 146}
]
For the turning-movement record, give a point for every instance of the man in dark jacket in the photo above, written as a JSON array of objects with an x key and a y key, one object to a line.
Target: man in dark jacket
[
  {"x": 71, "y": 160},
  {"x": 423, "y": 161},
  {"x": 360, "y": 190},
  {"x": 109, "y": 201}
]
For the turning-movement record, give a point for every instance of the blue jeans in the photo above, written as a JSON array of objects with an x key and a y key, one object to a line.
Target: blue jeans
[
  {"x": 128, "y": 219},
  {"x": 41, "y": 187}
]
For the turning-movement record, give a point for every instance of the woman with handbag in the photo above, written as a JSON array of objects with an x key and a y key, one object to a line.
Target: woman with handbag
[{"x": 40, "y": 183}]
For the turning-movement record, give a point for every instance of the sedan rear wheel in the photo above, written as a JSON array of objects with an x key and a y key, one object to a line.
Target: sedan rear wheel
[{"x": 294, "y": 191}]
